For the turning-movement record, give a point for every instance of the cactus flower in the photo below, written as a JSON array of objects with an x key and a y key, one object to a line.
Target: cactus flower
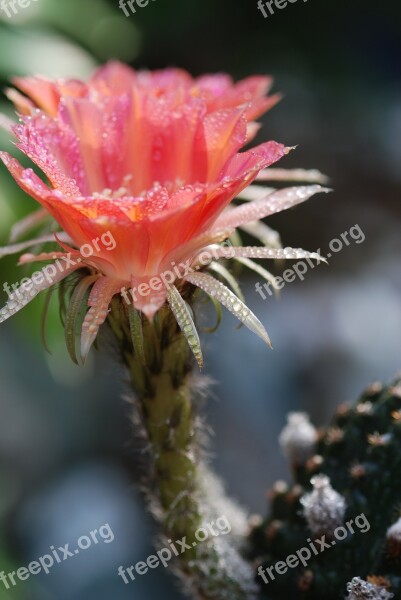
[{"x": 153, "y": 160}]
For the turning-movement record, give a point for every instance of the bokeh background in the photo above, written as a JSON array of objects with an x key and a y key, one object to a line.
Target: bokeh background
[{"x": 67, "y": 464}]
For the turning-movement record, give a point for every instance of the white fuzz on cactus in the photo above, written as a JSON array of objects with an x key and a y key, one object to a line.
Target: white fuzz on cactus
[
  {"x": 358, "y": 589},
  {"x": 298, "y": 438},
  {"x": 393, "y": 539},
  {"x": 324, "y": 508},
  {"x": 394, "y": 532}
]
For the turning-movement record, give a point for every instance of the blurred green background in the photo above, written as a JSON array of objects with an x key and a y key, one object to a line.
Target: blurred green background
[{"x": 67, "y": 463}]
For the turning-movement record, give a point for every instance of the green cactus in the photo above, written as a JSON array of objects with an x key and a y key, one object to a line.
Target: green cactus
[{"x": 350, "y": 477}]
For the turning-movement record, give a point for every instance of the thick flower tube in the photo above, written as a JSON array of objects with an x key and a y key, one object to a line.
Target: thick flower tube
[{"x": 151, "y": 162}]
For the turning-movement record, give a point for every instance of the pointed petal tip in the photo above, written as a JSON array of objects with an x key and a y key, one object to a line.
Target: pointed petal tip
[
  {"x": 5, "y": 157},
  {"x": 265, "y": 337},
  {"x": 6, "y": 124},
  {"x": 86, "y": 345},
  {"x": 318, "y": 257}
]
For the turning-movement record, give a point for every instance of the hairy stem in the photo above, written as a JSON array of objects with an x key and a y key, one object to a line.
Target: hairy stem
[{"x": 160, "y": 372}]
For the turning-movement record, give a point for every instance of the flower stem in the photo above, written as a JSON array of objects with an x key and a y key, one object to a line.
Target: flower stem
[{"x": 160, "y": 374}]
